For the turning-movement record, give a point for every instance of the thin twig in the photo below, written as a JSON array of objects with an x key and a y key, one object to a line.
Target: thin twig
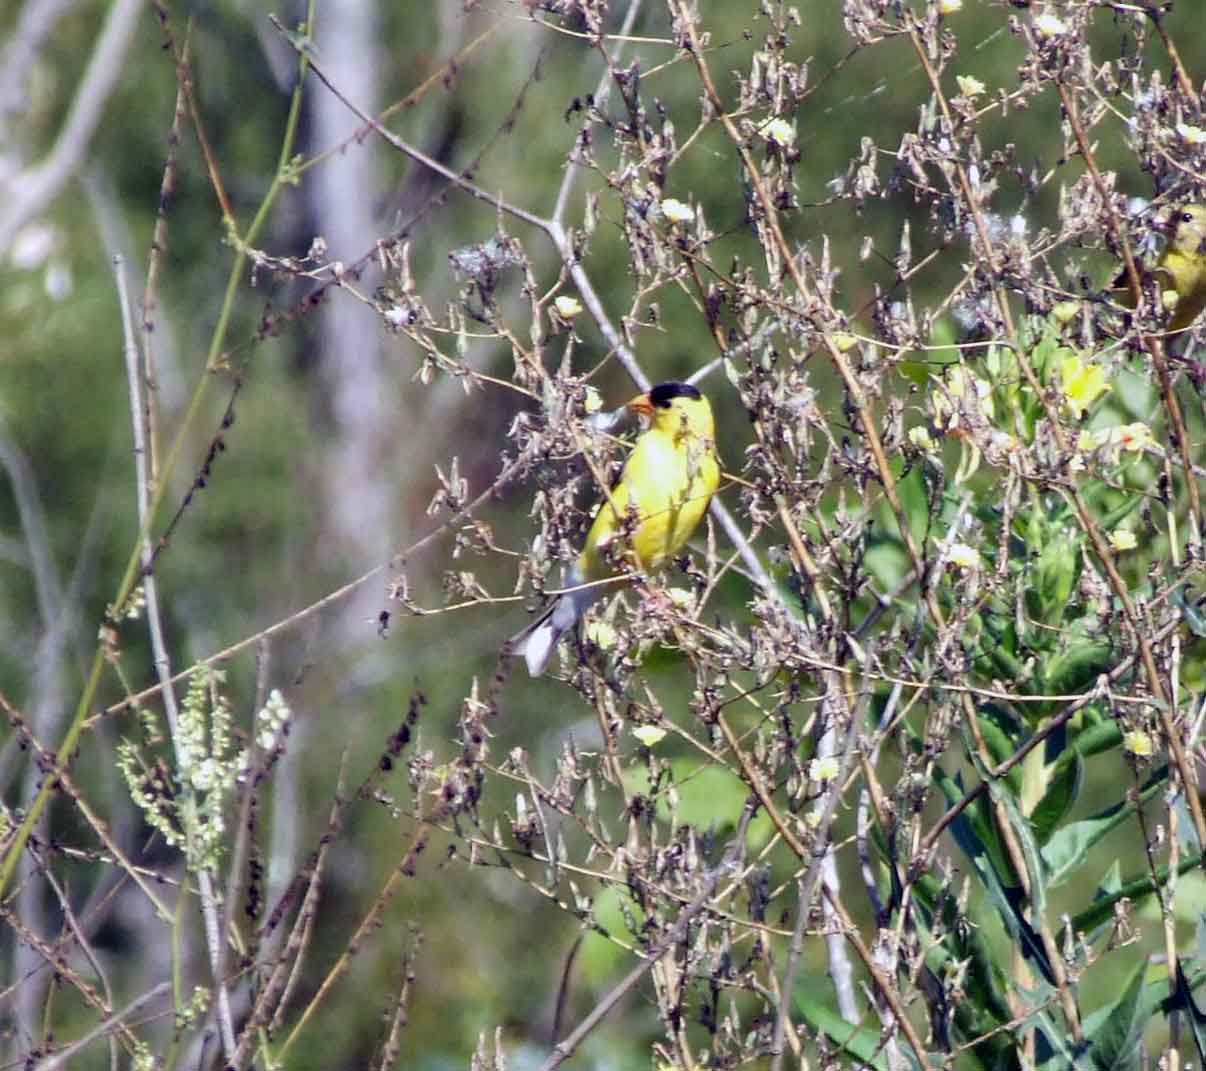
[
  {"x": 106, "y": 1027},
  {"x": 821, "y": 852},
  {"x": 731, "y": 862},
  {"x": 602, "y": 91}
]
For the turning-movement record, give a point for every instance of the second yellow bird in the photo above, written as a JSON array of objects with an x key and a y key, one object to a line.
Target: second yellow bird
[
  {"x": 1181, "y": 267},
  {"x": 665, "y": 489}
]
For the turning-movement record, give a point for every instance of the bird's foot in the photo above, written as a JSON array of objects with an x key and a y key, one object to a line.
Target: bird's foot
[{"x": 654, "y": 601}]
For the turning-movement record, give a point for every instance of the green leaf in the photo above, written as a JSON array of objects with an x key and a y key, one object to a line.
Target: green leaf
[
  {"x": 861, "y": 1042},
  {"x": 1120, "y": 513},
  {"x": 1055, "y": 1051},
  {"x": 1111, "y": 880},
  {"x": 998, "y": 729},
  {"x": 1057, "y": 801},
  {"x": 1035, "y": 867},
  {"x": 1182, "y": 998},
  {"x": 974, "y": 831},
  {"x": 1187, "y": 832},
  {"x": 1067, "y": 847},
  {"x": 1076, "y": 668},
  {"x": 1115, "y": 1030},
  {"x": 998, "y": 656},
  {"x": 1191, "y": 612},
  {"x": 1103, "y": 736},
  {"x": 1055, "y": 575},
  {"x": 1102, "y": 909},
  {"x": 986, "y": 982},
  {"x": 915, "y": 500}
]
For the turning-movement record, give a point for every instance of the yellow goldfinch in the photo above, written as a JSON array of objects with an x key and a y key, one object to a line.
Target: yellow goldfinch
[
  {"x": 1181, "y": 267},
  {"x": 665, "y": 488}
]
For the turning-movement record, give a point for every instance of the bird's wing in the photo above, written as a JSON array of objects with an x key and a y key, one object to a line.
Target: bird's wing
[{"x": 1122, "y": 284}]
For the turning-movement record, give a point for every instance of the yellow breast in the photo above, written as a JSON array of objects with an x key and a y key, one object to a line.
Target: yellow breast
[
  {"x": 666, "y": 486},
  {"x": 1189, "y": 280}
]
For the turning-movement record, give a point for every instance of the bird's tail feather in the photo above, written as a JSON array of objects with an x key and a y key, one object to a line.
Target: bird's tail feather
[{"x": 538, "y": 641}]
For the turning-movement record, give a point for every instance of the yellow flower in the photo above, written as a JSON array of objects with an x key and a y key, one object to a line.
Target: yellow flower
[
  {"x": 1049, "y": 25},
  {"x": 825, "y": 769},
  {"x": 677, "y": 211},
  {"x": 594, "y": 400},
  {"x": 963, "y": 556},
  {"x": 601, "y": 634},
  {"x": 1083, "y": 384},
  {"x": 1065, "y": 312},
  {"x": 1133, "y": 437},
  {"x": 1194, "y": 135},
  {"x": 921, "y": 438},
  {"x": 1138, "y": 743},
  {"x": 970, "y": 87},
  {"x": 1123, "y": 539},
  {"x": 949, "y": 7},
  {"x": 567, "y": 307},
  {"x": 780, "y": 132},
  {"x": 649, "y": 735}
]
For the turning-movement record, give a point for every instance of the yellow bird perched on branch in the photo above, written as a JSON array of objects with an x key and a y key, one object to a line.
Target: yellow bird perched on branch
[
  {"x": 1181, "y": 267},
  {"x": 662, "y": 494}
]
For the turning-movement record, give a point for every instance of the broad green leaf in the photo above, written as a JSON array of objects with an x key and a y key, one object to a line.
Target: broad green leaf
[
  {"x": 861, "y": 1042},
  {"x": 1055, "y": 574},
  {"x": 1057, "y": 801},
  {"x": 995, "y": 727},
  {"x": 986, "y": 981},
  {"x": 970, "y": 830},
  {"x": 1065, "y": 850},
  {"x": 1103, "y": 736},
  {"x": 1115, "y": 1030},
  {"x": 1076, "y": 668}
]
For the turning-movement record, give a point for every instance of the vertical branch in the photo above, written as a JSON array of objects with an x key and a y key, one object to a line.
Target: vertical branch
[{"x": 210, "y": 902}]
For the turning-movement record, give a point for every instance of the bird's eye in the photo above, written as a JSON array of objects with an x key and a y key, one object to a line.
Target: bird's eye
[{"x": 1186, "y": 217}]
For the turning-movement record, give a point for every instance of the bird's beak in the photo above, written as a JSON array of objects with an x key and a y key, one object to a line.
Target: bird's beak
[
  {"x": 641, "y": 405},
  {"x": 1165, "y": 223}
]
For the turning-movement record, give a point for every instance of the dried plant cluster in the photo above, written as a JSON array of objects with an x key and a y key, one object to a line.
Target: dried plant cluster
[{"x": 834, "y": 810}]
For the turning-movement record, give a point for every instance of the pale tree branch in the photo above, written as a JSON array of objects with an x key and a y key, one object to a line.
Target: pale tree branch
[
  {"x": 35, "y": 23},
  {"x": 29, "y": 193}
]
